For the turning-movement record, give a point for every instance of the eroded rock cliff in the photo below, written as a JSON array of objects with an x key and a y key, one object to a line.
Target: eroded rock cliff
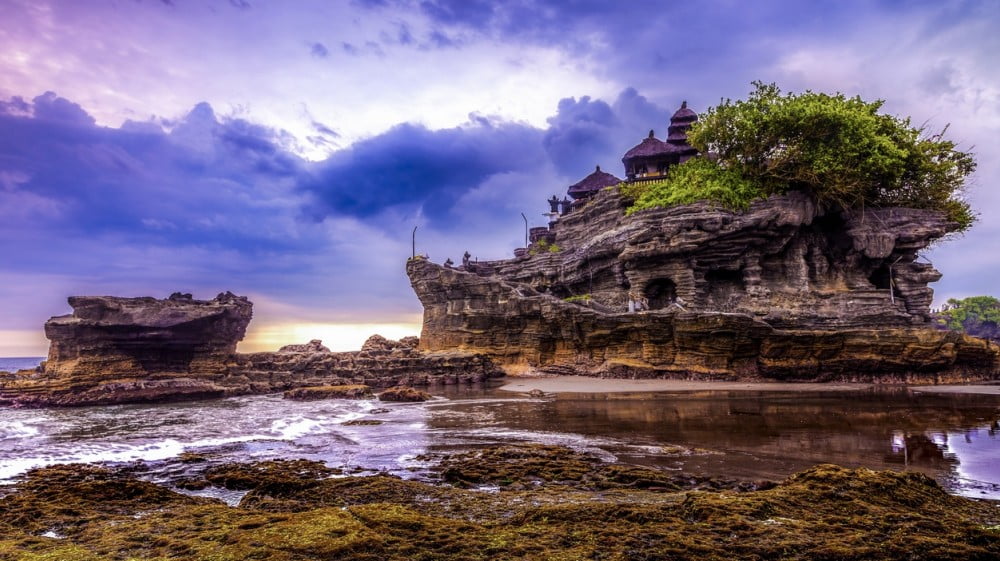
[
  {"x": 120, "y": 350},
  {"x": 782, "y": 290}
]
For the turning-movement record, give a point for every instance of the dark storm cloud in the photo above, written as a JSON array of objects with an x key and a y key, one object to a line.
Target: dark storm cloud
[
  {"x": 410, "y": 166},
  {"x": 587, "y": 132},
  {"x": 207, "y": 182}
]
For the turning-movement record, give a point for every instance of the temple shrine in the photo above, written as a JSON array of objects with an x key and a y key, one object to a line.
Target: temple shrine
[{"x": 647, "y": 161}]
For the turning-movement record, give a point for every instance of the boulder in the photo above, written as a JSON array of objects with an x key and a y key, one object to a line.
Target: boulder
[
  {"x": 404, "y": 393},
  {"x": 314, "y": 346},
  {"x": 354, "y": 391}
]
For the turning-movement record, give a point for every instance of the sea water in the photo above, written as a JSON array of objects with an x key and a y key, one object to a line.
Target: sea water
[
  {"x": 744, "y": 435},
  {"x": 13, "y": 364}
]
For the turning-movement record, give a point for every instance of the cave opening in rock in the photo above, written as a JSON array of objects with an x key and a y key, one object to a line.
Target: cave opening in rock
[
  {"x": 725, "y": 288},
  {"x": 881, "y": 279},
  {"x": 660, "y": 293}
]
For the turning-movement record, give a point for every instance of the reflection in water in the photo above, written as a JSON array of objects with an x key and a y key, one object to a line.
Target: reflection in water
[{"x": 769, "y": 434}]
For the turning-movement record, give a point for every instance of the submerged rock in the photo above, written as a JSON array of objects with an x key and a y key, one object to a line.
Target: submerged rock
[
  {"x": 355, "y": 391},
  {"x": 404, "y": 393}
]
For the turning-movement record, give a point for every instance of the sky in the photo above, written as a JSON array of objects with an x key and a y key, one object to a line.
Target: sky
[{"x": 286, "y": 150}]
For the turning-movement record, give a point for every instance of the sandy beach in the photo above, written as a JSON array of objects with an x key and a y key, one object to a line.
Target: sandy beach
[{"x": 586, "y": 384}]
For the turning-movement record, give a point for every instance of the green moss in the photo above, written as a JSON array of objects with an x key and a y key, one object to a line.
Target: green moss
[
  {"x": 697, "y": 179},
  {"x": 561, "y": 504},
  {"x": 578, "y": 298}
]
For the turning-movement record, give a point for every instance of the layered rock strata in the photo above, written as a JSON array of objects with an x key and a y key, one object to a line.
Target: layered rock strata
[
  {"x": 119, "y": 350},
  {"x": 780, "y": 291}
]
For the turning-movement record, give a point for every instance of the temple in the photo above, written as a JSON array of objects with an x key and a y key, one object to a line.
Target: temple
[
  {"x": 651, "y": 158},
  {"x": 647, "y": 161}
]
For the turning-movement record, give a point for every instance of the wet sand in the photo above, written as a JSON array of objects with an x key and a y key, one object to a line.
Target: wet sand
[
  {"x": 586, "y": 384},
  {"x": 969, "y": 389}
]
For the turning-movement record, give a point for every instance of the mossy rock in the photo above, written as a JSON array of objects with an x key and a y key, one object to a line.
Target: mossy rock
[
  {"x": 273, "y": 476},
  {"x": 356, "y": 391},
  {"x": 295, "y": 511},
  {"x": 404, "y": 393}
]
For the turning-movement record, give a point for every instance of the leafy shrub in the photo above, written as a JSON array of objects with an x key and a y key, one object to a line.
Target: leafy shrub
[
  {"x": 971, "y": 314},
  {"x": 542, "y": 246},
  {"x": 697, "y": 179},
  {"x": 841, "y": 150}
]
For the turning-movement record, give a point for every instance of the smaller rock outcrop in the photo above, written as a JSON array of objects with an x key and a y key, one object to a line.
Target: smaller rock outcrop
[
  {"x": 114, "y": 350},
  {"x": 353, "y": 391},
  {"x": 314, "y": 346},
  {"x": 404, "y": 393}
]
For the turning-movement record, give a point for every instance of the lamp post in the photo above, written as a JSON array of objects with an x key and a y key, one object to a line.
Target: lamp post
[
  {"x": 413, "y": 240},
  {"x": 525, "y": 229}
]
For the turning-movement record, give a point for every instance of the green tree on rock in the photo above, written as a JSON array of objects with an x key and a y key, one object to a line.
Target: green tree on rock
[
  {"x": 976, "y": 315},
  {"x": 841, "y": 150}
]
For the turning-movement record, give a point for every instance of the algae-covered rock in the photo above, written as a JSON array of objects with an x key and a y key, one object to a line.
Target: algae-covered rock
[
  {"x": 294, "y": 511},
  {"x": 404, "y": 393},
  {"x": 354, "y": 391},
  {"x": 529, "y": 465}
]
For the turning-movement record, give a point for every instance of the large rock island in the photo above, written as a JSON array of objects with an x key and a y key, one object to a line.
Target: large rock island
[
  {"x": 783, "y": 290},
  {"x": 121, "y": 350}
]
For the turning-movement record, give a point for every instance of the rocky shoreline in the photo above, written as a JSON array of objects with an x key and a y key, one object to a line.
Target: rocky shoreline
[
  {"x": 508, "y": 502},
  {"x": 127, "y": 350}
]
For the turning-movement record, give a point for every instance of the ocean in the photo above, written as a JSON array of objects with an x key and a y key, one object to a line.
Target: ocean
[{"x": 15, "y": 363}]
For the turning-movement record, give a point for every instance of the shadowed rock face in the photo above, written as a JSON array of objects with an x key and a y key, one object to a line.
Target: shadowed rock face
[{"x": 779, "y": 291}]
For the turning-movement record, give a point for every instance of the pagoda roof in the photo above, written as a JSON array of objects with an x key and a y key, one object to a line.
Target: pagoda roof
[
  {"x": 596, "y": 181},
  {"x": 679, "y": 124},
  {"x": 684, "y": 114},
  {"x": 650, "y": 146}
]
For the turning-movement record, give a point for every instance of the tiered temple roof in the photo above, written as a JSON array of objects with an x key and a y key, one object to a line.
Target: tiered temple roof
[
  {"x": 592, "y": 183},
  {"x": 652, "y": 157},
  {"x": 649, "y": 159}
]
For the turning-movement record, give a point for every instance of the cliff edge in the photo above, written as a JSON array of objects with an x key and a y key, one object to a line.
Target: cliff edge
[{"x": 783, "y": 290}]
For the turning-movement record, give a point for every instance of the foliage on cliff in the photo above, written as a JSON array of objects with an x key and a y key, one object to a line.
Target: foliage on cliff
[
  {"x": 695, "y": 180},
  {"x": 839, "y": 149},
  {"x": 976, "y": 315}
]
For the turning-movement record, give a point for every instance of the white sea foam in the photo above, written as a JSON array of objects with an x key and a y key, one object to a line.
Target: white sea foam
[
  {"x": 16, "y": 429},
  {"x": 153, "y": 451}
]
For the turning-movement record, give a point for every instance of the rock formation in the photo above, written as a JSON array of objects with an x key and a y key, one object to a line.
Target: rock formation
[
  {"x": 783, "y": 290},
  {"x": 314, "y": 346},
  {"x": 119, "y": 350}
]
